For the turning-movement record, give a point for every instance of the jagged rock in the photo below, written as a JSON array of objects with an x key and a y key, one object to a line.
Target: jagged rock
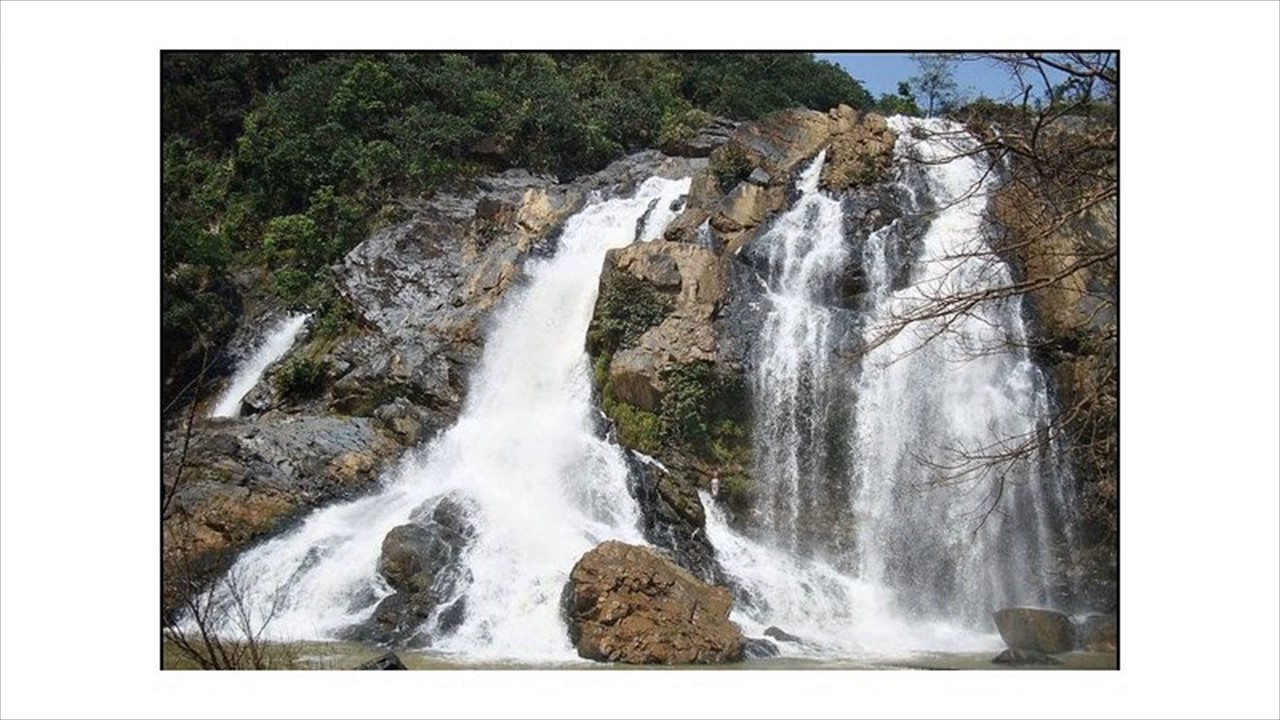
[
  {"x": 697, "y": 279},
  {"x": 781, "y": 635},
  {"x": 746, "y": 206},
  {"x": 757, "y": 648},
  {"x": 422, "y": 561},
  {"x": 625, "y": 603},
  {"x": 684, "y": 229},
  {"x": 861, "y": 150},
  {"x": 710, "y": 136},
  {"x": 389, "y": 661},
  {"x": 244, "y": 479},
  {"x": 1098, "y": 633},
  {"x": 672, "y": 518},
  {"x": 1044, "y": 631},
  {"x": 781, "y": 142},
  {"x": 1015, "y": 657}
]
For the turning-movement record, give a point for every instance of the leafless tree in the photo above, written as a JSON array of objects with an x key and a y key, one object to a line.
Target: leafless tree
[
  {"x": 1055, "y": 152},
  {"x": 222, "y": 627}
]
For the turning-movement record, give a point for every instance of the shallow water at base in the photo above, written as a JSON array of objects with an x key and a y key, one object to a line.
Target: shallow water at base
[{"x": 318, "y": 655}]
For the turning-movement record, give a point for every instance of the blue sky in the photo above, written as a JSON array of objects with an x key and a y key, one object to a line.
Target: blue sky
[{"x": 881, "y": 72}]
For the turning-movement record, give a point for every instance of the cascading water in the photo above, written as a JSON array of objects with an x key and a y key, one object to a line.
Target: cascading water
[
  {"x": 953, "y": 527},
  {"x": 542, "y": 486},
  {"x": 924, "y": 571},
  {"x": 862, "y": 547},
  {"x": 795, "y": 377},
  {"x": 274, "y": 346}
]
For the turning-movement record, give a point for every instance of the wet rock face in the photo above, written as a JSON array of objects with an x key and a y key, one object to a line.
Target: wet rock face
[
  {"x": 673, "y": 519},
  {"x": 422, "y": 561},
  {"x": 759, "y": 648},
  {"x": 1033, "y": 629},
  {"x": 244, "y": 479},
  {"x": 625, "y": 603}
]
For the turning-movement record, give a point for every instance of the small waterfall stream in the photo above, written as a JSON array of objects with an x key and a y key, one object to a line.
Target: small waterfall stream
[
  {"x": 796, "y": 373},
  {"x": 274, "y": 345}
]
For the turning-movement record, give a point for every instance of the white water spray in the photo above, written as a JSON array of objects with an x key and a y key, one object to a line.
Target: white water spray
[
  {"x": 795, "y": 376},
  {"x": 545, "y": 489},
  {"x": 923, "y": 572},
  {"x": 954, "y": 529},
  {"x": 274, "y": 346}
]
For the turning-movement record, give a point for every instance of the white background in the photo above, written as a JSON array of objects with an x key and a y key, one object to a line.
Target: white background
[{"x": 80, "y": 358}]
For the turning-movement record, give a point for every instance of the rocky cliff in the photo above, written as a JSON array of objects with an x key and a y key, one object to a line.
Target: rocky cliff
[
  {"x": 382, "y": 375},
  {"x": 672, "y": 344},
  {"x": 677, "y": 319}
]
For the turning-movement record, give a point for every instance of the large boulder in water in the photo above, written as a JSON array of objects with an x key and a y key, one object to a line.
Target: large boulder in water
[
  {"x": 626, "y": 603},
  {"x": 422, "y": 561},
  {"x": 1044, "y": 631}
]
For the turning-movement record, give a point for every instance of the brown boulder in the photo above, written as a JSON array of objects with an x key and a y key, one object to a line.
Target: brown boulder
[
  {"x": 1099, "y": 633},
  {"x": 698, "y": 280},
  {"x": 626, "y": 603},
  {"x": 861, "y": 150},
  {"x": 684, "y": 229},
  {"x": 1044, "y": 631}
]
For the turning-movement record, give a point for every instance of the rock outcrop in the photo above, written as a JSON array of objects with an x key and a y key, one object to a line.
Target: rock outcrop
[
  {"x": 1098, "y": 633},
  {"x": 676, "y": 320},
  {"x": 1034, "y": 629},
  {"x": 384, "y": 374},
  {"x": 242, "y": 480},
  {"x": 422, "y": 561},
  {"x": 625, "y": 603}
]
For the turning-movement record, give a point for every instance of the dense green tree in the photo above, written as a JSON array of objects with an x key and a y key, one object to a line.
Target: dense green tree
[
  {"x": 903, "y": 103},
  {"x": 935, "y": 81},
  {"x": 283, "y": 160}
]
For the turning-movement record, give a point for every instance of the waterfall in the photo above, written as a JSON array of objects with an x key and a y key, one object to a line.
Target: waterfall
[
  {"x": 274, "y": 346},
  {"x": 954, "y": 537},
  {"x": 930, "y": 555},
  {"x": 543, "y": 487},
  {"x": 795, "y": 381}
]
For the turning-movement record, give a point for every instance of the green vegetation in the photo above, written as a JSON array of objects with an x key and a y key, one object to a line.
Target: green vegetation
[
  {"x": 705, "y": 411},
  {"x": 626, "y": 308},
  {"x": 903, "y": 103},
  {"x": 637, "y": 428},
  {"x": 730, "y": 166},
  {"x": 284, "y": 161},
  {"x": 302, "y": 379}
]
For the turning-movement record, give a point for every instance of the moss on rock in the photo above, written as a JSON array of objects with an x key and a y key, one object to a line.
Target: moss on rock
[{"x": 626, "y": 308}]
